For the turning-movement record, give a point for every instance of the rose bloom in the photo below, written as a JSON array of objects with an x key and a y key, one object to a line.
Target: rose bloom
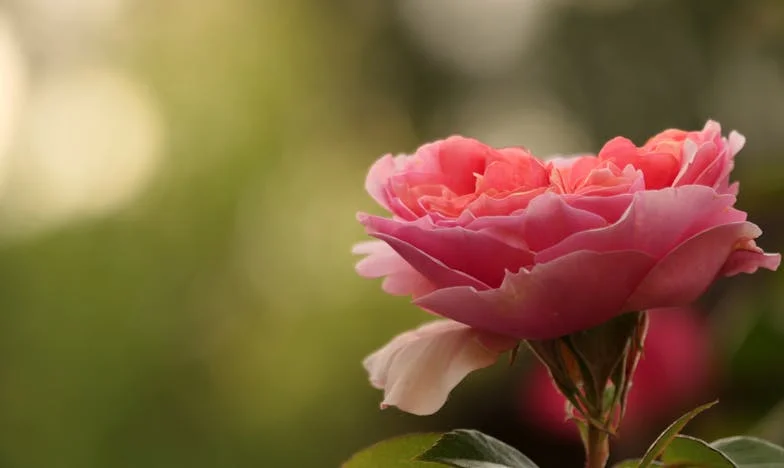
[
  {"x": 507, "y": 247},
  {"x": 675, "y": 373}
]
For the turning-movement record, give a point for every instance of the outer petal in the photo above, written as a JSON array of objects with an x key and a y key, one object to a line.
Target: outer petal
[
  {"x": 419, "y": 368},
  {"x": 708, "y": 158},
  {"x": 748, "y": 261},
  {"x": 655, "y": 222},
  {"x": 478, "y": 256},
  {"x": 571, "y": 293},
  {"x": 688, "y": 270},
  {"x": 382, "y": 261},
  {"x": 378, "y": 177}
]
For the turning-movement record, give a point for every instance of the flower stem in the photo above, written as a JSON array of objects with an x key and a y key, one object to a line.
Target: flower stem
[{"x": 597, "y": 448}]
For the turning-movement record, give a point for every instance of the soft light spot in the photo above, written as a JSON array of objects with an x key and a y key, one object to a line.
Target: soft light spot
[
  {"x": 13, "y": 89},
  {"x": 90, "y": 143},
  {"x": 502, "y": 117},
  {"x": 477, "y": 37}
]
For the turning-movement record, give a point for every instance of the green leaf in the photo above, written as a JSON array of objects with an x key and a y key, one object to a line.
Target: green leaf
[
  {"x": 750, "y": 452},
  {"x": 669, "y": 434},
  {"x": 693, "y": 452},
  {"x": 398, "y": 452},
  {"x": 465, "y": 448}
]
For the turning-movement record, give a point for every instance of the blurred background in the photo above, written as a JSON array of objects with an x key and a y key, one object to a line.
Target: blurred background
[{"x": 178, "y": 184}]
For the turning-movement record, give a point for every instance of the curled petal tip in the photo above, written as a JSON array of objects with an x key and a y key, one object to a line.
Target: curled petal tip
[{"x": 420, "y": 368}]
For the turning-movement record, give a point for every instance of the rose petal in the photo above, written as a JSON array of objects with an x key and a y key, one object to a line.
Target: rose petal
[
  {"x": 382, "y": 261},
  {"x": 459, "y": 159},
  {"x": 376, "y": 181},
  {"x": 547, "y": 220},
  {"x": 610, "y": 208},
  {"x": 686, "y": 272},
  {"x": 655, "y": 222},
  {"x": 476, "y": 255},
  {"x": 574, "y": 292},
  {"x": 659, "y": 168},
  {"x": 484, "y": 205},
  {"x": 419, "y": 368},
  {"x": 748, "y": 259}
]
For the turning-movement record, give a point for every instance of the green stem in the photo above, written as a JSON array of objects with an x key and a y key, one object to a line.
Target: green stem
[{"x": 597, "y": 448}]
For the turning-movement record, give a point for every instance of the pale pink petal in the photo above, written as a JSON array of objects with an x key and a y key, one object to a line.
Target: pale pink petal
[
  {"x": 568, "y": 294},
  {"x": 377, "y": 179},
  {"x": 708, "y": 158},
  {"x": 701, "y": 160},
  {"x": 748, "y": 258},
  {"x": 736, "y": 141},
  {"x": 419, "y": 368},
  {"x": 438, "y": 273},
  {"x": 686, "y": 272},
  {"x": 476, "y": 255},
  {"x": 656, "y": 222},
  {"x": 688, "y": 161},
  {"x": 399, "y": 277},
  {"x": 711, "y": 175}
]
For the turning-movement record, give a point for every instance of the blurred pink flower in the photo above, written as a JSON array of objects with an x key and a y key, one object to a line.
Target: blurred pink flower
[
  {"x": 675, "y": 373},
  {"x": 513, "y": 247}
]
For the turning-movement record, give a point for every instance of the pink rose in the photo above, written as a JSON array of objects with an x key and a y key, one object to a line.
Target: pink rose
[
  {"x": 674, "y": 374},
  {"x": 515, "y": 248}
]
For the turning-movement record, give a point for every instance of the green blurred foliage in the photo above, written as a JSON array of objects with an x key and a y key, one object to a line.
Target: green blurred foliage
[{"x": 217, "y": 320}]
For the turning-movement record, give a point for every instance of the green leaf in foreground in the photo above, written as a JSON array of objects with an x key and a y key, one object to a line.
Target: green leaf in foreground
[
  {"x": 750, "y": 452},
  {"x": 399, "y": 452},
  {"x": 465, "y": 448},
  {"x": 692, "y": 452},
  {"x": 669, "y": 434}
]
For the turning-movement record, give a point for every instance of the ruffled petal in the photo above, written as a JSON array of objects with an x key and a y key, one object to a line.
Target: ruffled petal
[
  {"x": 382, "y": 261},
  {"x": 749, "y": 261},
  {"x": 377, "y": 180},
  {"x": 686, "y": 272},
  {"x": 460, "y": 253},
  {"x": 419, "y": 368},
  {"x": 547, "y": 220},
  {"x": 611, "y": 208},
  {"x": 574, "y": 292},
  {"x": 655, "y": 223}
]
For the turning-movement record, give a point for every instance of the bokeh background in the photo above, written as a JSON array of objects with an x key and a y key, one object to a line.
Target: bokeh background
[{"x": 178, "y": 184}]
